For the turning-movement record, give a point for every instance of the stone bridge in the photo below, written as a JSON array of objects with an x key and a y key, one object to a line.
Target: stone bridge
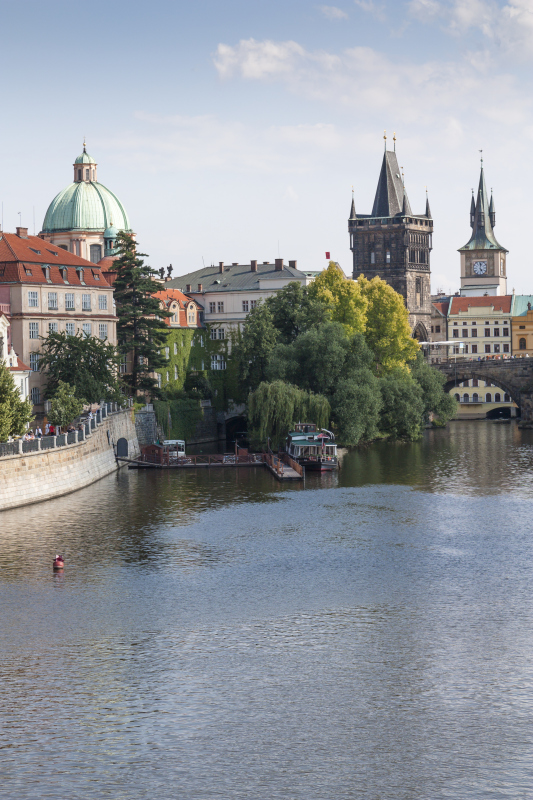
[{"x": 514, "y": 376}]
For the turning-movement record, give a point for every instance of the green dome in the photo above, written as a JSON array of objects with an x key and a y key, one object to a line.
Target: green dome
[
  {"x": 85, "y": 206},
  {"x": 111, "y": 233},
  {"x": 85, "y": 158}
]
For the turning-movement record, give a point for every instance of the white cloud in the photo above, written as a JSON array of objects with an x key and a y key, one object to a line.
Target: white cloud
[
  {"x": 254, "y": 59},
  {"x": 370, "y": 7},
  {"x": 425, "y": 10},
  {"x": 332, "y": 12}
]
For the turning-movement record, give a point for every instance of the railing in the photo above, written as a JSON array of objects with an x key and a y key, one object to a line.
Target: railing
[
  {"x": 31, "y": 446},
  {"x": 219, "y": 459},
  {"x": 500, "y": 361},
  {"x": 293, "y": 464},
  {"x": 9, "y": 449}
]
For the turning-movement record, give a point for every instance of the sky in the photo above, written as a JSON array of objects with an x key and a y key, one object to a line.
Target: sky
[{"x": 235, "y": 130}]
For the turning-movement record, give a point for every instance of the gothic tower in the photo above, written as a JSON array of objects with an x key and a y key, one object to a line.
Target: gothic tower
[
  {"x": 394, "y": 244},
  {"x": 483, "y": 259}
]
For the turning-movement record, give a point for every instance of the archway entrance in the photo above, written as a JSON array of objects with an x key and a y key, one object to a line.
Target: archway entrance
[{"x": 420, "y": 333}]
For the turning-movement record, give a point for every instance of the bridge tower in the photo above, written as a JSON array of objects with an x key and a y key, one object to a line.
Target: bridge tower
[
  {"x": 394, "y": 244},
  {"x": 483, "y": 259}
]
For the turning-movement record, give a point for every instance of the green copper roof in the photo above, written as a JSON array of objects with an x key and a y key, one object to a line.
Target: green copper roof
[
  {"x": 519, "y": 305},
  {"x": 85, "y": 158},
  {"x": 483, "y": 220},
  {"x": 85, "y": 206}
]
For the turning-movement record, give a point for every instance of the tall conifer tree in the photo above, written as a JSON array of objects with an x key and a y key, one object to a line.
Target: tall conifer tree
[{"x": 141, "y": 328}]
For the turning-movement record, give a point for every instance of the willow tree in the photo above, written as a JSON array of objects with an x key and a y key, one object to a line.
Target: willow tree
[{"x": 275, "y": 407}]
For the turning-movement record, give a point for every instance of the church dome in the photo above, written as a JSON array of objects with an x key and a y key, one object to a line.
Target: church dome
[{"x": 85, "y": 205}]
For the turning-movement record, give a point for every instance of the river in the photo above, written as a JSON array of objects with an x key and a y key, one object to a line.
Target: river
[{"x": 216, "y": 634}]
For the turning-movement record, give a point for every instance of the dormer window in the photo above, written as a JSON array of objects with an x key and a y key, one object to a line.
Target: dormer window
[
  {"x": 35, "y": 251},
  {"x": 46, "y": 270},
  {"x": 79, "y": 273},
  {"x": 64, "y": 274}
]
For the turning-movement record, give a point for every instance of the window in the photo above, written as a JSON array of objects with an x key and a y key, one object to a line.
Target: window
[
  {"x": 140, "y": 360},
  {"x": 102, "y": 302},
  {"x": 168, "y": 377},
  {"x": 474, "y": 348},
  {"x": 488, "y": 383},
  {"x": 412, "y": 256},
  {"x": 488, "y": 398},
  {"x": 505, "y": 332},
  {"x": 52, "y": 327},
  {"x": 497, "y": 397},
  {"x": 437, "y": 328},
  {"x": 34, "y": 362},
  {"x": 213, "y": 333},
  {"x": 122, "y": 365},
  {"x": 70, "y": 329},
  {"x": 456, "y": 334},
  {"x": 487, "y": 323},
  {"x": 86, "y": 174},
  {"x": 522, "y": 327},
  {"x": 465, "y": 333},
  {"x": 487, "y": 332},
  {"x": 506, "y": 348},
  {"x": 372, "y": 257},
  {"x": 455, "y": 323},
  {"x": 95, "y": 253},
  {"x": 52, "y": 300},
  {"x": 34, "y": 330},
  {"x": 496, "y": 332},
  {"x": 79, "y": 174},
  {"x": 220, "y": 308},
  {"x": 466, "y": 398},
  {"x": 253, "y": 303},
  {"x": 245, "y": 306},
  {"x": 473, "y": 323},
  {"x": 506, "y": 398},
  {"x": 487, "y": 348},
  {"x": 466, "y": 383},
  {"x": 175, "y": 348},
  {"x": 522, "y": 344},
  {"x": 35, "y": 395},
  {"x": 159, "y": 380},
  {"x": 86, "y": 302},
  {"x": 218, "y": 362},
  {"x": 33, "y": 299},
  {"x": 457, "y": 397},
  {"x": 496, "y": 348},
  {"x": 69, "y": 301},
  {"x": 475, "y": 397},
  {"x": 221, "y": 333},
  {"x": 192, "y": 342},
  {"x": 87, "y": 329},
  {"x": 212, "y": 307},
  {"x": 465, "y": 349},
  {"x": 175, "y": 373},
  {"x": 432, "y": 329},
  {"x": 201, "y": 341},
  {"x": 167, "y": 353},
  {"x": 387, "y": 256},
  {"x": 102, "y": 330},
  {"x": 474, "y": 333},
  {"x": 475, "y": 382}
]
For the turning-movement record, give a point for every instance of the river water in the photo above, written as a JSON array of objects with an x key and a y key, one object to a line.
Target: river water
[{"x": 216, "y": 634}]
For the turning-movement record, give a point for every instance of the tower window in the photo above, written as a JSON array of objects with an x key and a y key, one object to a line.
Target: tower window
[
  {"x": 372, "y": 257},
  {"x": 96, "y": 253},
  {"x": 86, "y": 174},
  {"x": 79, "y": 174},
  {"x": 387, "y": 257}
]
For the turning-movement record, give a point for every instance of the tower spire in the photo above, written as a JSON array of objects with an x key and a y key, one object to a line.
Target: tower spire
[
  {"x": 352, "y": 209},
  {"x": 385, "y": 138},
  {"x": 472, "y": 210},
  {"x": 492, "y": 210},
  {"x": 428, "y": 210}
]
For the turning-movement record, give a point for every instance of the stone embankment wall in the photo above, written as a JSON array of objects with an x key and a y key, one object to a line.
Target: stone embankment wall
[{"x": 32, "y": 477}]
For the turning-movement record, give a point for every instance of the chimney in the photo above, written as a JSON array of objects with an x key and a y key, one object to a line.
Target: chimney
[
  {"x": 221, "y": 266},
  {"x": 253, "y": 266},
  {"x": 188, "y": 288},
  {"x": 22, "y": 233},
  {"x": 279, "y": 264},
  {"x": 293, "y": 264},
  {"x": 200, "y": 287},
  {"x": 234, "y": 263}
]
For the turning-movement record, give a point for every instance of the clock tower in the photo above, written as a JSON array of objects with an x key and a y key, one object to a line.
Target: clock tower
[{"x": 483, "y": 259}]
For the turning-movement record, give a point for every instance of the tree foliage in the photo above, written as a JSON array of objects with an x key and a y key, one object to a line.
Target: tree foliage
[
  {"x": 356, "y": 407},
  {"x": 275, "y": 407},
  {"x": 402, "y": 414},
  {"x": 253, "y": 348},
  {"x": 86, "y": 363},
  {"x": 342, "y": 297},
  {"x": 141, "y": 329},
  {"x": 295, "y": 310},
  {"x": 436, "y": 400},
  {"x": 65, "y": 405},
  {"x": 15, "y": 414}
]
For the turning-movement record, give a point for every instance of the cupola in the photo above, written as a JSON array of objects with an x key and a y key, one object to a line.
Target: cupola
[
  {"x": 85, "y": 168},
  {"x": 110, "y": 237}
]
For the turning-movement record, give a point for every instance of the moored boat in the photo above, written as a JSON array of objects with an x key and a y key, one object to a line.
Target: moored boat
[{"x": 315, "y": 450}]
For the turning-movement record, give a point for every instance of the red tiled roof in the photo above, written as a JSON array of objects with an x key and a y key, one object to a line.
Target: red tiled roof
[
  {"x": 21, "y": 261},
  {"x": 442, "y": 307},
  {"x": 20, "y": 368},
  {"x": 169, "y": 295},
  {"x": 501, "y": 304}
]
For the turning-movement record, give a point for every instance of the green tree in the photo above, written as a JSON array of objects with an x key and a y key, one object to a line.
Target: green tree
[
  {"x": 387, "y": 330},
  {"x": 65, "y": 405},
  {"x": 141, "y": 328},
  {"x": 342, "y": 296},
  {"x": 356, "y": 407},
  {"x": 295, "y": 311},
  {"x": 436, "y": 400},
  {"x": 274, "y": 408},
  {"x": 402, "y": 415},
  {"x": 253, "y": 348},
  {"x": 15, "y": 414},
  {"x": 86, "y": 363}
]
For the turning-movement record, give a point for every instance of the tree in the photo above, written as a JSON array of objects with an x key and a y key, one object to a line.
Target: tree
[
  {"x": 141, "y": 329},
  {"x": 356, "y": 405},
  {"x": 342, "y": 296},
  {"x": 274, "y": 408},
  {"x": 387, "y": 331},
  {"x": 65, "y": 406},
  {"x": 253, "y": 348},
  {"x": 295, "y": 311},
  {"x": 86, "y": 363},
  {"x": 436, "y": 400},
  {"x": 402, "y": 414},
  {"x": 15, "y": 414}
]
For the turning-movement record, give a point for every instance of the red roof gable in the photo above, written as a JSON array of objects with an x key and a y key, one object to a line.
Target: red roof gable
[
  {"x": 22, "y": 261},
  {"x": 442, "y": 307},
  {"x": 167, "y": 296},
  {"x": 501, "y": 304}
]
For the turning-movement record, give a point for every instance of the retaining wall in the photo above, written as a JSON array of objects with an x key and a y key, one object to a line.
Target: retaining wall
[{"x": 32, "y": 477}]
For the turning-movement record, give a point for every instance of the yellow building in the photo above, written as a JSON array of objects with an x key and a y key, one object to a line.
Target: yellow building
[{"x": 522, "y": 326}]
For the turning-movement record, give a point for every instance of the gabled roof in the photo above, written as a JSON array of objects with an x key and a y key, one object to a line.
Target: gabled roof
[
  {"x": 234, "y": 278},
  {"x": 171, "y": 296},
  {"x": 483, "y": 237},
  {"x": 442, "y": 307},
  {"x": 501, "y": 304},
  {"x": 22, "y": 261},
  {"x": 391, "y": 197}
]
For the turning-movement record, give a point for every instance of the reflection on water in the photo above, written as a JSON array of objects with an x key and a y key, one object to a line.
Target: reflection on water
[{"x": 218, "y": 634}]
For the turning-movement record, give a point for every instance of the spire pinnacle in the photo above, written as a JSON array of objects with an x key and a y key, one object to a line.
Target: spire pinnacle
[
  {"x": 394, "y": 140},
  {"x": 385, "y": 138},
  {"x": 428, "y": 210},
  {"x": 352, "y": 209}
]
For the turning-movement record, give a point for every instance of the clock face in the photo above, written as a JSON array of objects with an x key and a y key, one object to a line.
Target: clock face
[{"x": 480, "y": 267}]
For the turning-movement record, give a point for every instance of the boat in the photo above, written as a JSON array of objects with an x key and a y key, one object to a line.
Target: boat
[{"x": 315, "y": 450}]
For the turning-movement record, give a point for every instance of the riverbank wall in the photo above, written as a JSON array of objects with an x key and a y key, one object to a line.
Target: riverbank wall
[{"x": 28, "y": 478}]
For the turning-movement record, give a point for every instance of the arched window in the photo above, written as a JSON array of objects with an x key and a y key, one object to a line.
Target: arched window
[
  {"x": 488, "y": 398},
  {"x": 79, "y": 174},
  {"x": 466, "y": 398},
  {"x": 475, "y": 397},
  {"x": 458, "y": 398},
  {"x": 522, "y": 344},
  {"x": 497, "y": 397},
  {"x": 506, "y": 398}
]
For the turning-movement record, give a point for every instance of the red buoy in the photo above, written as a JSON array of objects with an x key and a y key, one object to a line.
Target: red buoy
[{"x": 59, "y": 562}]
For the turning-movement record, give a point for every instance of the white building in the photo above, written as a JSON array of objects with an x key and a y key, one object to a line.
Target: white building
[{"x": 19, "y": 371}]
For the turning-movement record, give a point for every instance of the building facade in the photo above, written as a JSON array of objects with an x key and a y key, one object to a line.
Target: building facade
[
  {"x": 522, "y": 326},
  {"x": 185, "y": 350},
  {"x": 394, "y": 244},
  {"x": 19, "y": 370},
  {"x": 483, "y": 259},
  {"x": 48, "y": 289},
  {"x": 482, "y": 325},
  {"x": 85, "y": 217}
]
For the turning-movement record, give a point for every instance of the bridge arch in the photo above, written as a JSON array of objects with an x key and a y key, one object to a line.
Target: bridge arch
[{"x": 465, "y": 373}]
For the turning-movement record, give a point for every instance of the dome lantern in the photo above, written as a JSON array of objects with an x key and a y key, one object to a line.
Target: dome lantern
[
  {"x": 85, "y": 167},
  {"x": 110, "y": 236}
]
